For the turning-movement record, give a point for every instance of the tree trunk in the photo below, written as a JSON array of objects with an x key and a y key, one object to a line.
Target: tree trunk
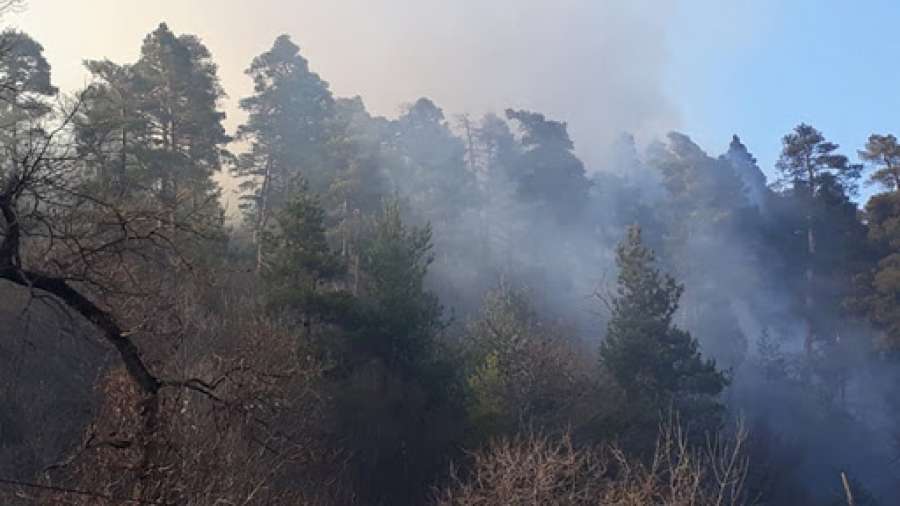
[
  {"x": 262, "y": 214},
  {"x": 123, "y": 156},
  {"x": 811, "y": 255},
  {"x": 810, "y": 279}
]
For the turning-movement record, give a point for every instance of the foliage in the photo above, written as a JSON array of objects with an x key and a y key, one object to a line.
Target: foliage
[
  {"x": 287, "y": 128},
  {"x": 525, "y": 373},
  {"x": 807, "y": 157},
  {"x": 655, "y": 364},
  {"x": 883, "y": 152},
  {"x": 153, "y": 129},
  {"x": 548, "y": 171},
  {"x": 878, "y": 286},
  {"x": 402, "y": 317}
]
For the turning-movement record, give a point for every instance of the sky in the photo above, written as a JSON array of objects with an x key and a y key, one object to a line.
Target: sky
[
  {"x": 708, "y": 68},
  {"x": 758, "y": 68}
]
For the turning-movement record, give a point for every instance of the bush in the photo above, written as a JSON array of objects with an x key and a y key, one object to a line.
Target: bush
[{"x": 539, "y": 470}]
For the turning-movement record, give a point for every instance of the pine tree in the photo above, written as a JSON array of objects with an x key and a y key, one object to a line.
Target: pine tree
[
  {"x": 705, "y": 191},
  {"x": 403, "y": 317},
  {"x": 497, "y": 155},
  {"x": 358, "y": 184},
  {"x": 302, "y": 272},
  {"x": 182, "y": 140},
  {"x": 706, "y": 206},
  {"x": 429, "y": 166},
  {"x": 24, "y": 71},
  {"x": 806, "y": 157},
  {"x": 549, "y": 172},
  {"x": 808, "y": 163},
  {"x": 395, "y": 406},
  {"x": 288, "y": 128},
  {"x": 155, "y": 126},
  {"x": 109, "y": 127},
  {"x": 883, "y": 152},
  {"x": 878, "y": 283},
  {"x": 25, "y": 86},
  {"x": 656, "y": 365},
  {"x": 745, "y": 166}
]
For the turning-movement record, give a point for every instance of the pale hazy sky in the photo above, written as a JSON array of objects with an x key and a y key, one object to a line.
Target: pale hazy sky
[{"x": 597, "y": 65}]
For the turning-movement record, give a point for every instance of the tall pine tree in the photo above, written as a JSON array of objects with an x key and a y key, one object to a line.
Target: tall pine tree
[
  {"x": 287, "y": 129},
  {"x": 183, "y": 137},
  {"x": 155, "y": 126},
  {"x": 808, "y": 164}
]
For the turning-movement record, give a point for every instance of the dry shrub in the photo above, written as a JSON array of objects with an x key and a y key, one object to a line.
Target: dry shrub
[
  {"x": 539, "y": 470},
  {"x": 240, "y": 422}
]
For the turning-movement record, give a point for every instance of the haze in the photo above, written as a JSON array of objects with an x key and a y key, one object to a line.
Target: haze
[{"x": 597, "y": 65}]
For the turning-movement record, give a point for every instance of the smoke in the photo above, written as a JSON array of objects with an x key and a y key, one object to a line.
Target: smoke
[
  {"x": 598, "y": 65},
  {"x": 816, "y": 414}
]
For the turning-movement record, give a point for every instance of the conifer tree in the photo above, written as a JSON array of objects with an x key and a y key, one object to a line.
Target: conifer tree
[
  {"x": 883, "y": 152},
  {"x": 299, "y": 261},
  {"x": 877, "y": 285},
  {"x": 155, "y": 126},
  {"x": 809, "y": 163},
  {"x": 403, "y": 317},
  {"x": 24, "y": 71},
  {"x": 288, "y": 129},
  {"x": 706, "y": 204},
  {"x": 429, "y": 165},
  {"x": 109, "y": 126},
  {"x": 25, "y": 86},
  {"x": 746, "y": 168},
  {"x": 549, "y": 171},
  {"x": 183, "y": 137},
  {"x": 657, "y": 365}
]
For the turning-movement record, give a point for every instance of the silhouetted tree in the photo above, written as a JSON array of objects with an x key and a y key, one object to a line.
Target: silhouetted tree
[{"x": 549, "y": 173}]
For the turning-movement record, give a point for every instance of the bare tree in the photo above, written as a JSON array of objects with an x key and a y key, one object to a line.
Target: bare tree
[
  {"x": 253, "y": 432},
  {"x": 73, "y": 244},
  {"x": 61, "y": 237},
  {"x": 538, "y": 470}
]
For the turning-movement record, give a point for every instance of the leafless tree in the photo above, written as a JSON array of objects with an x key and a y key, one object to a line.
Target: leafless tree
[
  {"x": 540, "y": 470},
  {"x": 253, "y": 432},
  {"x": 76, "y": 245}
]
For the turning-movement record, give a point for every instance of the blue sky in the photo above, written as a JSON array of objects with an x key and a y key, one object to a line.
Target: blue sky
[{"x": 759, "y": 68}]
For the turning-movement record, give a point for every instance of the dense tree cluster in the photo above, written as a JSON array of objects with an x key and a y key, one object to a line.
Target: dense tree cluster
[{"x": 426, "y": 309}]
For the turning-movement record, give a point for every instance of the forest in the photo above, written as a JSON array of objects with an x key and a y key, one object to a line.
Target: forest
[{"x": 428, "y": 309}]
